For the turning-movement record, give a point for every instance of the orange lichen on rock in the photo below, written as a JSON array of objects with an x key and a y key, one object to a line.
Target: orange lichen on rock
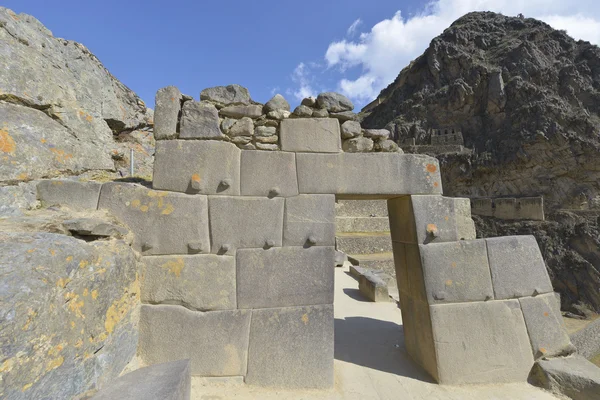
[
  {"x": 7, "y": 143},
  {"x": 431, "y": 168}
]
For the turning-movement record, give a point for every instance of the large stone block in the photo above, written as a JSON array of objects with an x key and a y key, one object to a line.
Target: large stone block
[
  {"x": 317, "y": 135},
  {"x": 546, "y": 327},
  {"x": 482, "y": 342},
  {"x": 430, "y": 219},
  {"x": 361, "y": 208},
  {"x": 456, "y": 272},
  {"x": 200, "y": 120},
  {"x": 363, "y": 243},
  {"x": 286, "y": 276},
  {"x": 291, "y": 347},
  {"x": 162, "y": 222},
  {"x": 573, "y": 377},
  {"x": 309, "y": 220},
  {"x": 166, "y": 113},
  {"x": 73, "y": 194},
  {"x": 517, "y": 267},
  {"x": 269, "y": 174},
  {"x": 203, "y": 167},
  {"x": 199, "y": 282},
  {"x": 245, "y": 222},
  {"x": 167, "y": 381},
  {"x": 216, "y": 342},
  {"x": 373, "y": 287},
  {"x": 370, "y": 175}
]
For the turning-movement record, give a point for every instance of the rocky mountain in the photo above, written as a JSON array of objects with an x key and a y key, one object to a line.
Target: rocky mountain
[
  {"x": 526, "y": 98},
  {"x": 61, "y": 111}
]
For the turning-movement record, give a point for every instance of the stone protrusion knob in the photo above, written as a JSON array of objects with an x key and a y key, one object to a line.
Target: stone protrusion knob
[
  {"x": 195, "y": 247},
  {"x": 274, "y": 192},
  {"x": 225, "y": 183},
  {"x": 195, "y": 181},
  {"x": 225, "y": 248},
  {"x": 269, "y": 243},
  {"x": 439, "y": 295},
  {"x": 146, "y": 246},
  {"x": 312, "y": 240}
]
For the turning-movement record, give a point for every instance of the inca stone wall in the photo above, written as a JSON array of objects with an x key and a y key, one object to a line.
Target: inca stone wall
[{"x": 531, "y": 208}]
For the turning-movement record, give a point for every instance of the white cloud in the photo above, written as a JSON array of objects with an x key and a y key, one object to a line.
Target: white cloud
[
  {"x": 392, "y": 43},
  {"x": 301, "y": 76},
  {"x": 352, "y": 29}
]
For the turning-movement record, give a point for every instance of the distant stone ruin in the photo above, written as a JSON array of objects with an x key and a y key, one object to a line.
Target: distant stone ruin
[
  {"x": 447, "y": 136},
  {"x": 526, "y": 208}
]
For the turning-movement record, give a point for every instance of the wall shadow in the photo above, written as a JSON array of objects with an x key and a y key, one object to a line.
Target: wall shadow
[
  {"x": 375, "y": 344},
  {"x": 356, "y": 295}
]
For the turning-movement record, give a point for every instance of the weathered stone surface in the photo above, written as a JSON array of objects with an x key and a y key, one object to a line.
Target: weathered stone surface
[
  {"x": 198, "y": 282},
  {"x": 358, "y": 145},
  {"x": 387, "y": 146},
  {"x": 517, "y": 267},
  {"x": 18, "y": 198},
  {"x": 334, "y": 102},
  {"x": 94, "y": 227},
  {"x": 227, "y": 124},
  {"x": 189, "y": 167},
  {"x": 427, "y": 219},
  {"x": 309, "y": 102},
  {"x": 350, "y": 129},
  {"x": 303, "y": 111},
  {"x": 373, "y": 287},
  {"x": 267, "y": 146},
  {"x": 277, "y": 102},
  {"x": 245, "y": 222},
  {"x": 310, "y": 135},
  {"x": 343, "y": 116},
  {"x": 545, "y": 325},
  {"x": 357, "y": 243},
  {"x": 265, "y": 131},
  {"x": 251, "y": 111},
  {"x": 351, "y": 175},
  {"x": 361, "y": 208},
  {"x": 456, "y": 272},
  {"x": 215, "y": 342},
  {"x": 243, "y": 127},
  {"x": 69, "y": 193},
  {"x": 63, "y": 78},
  {"x": 200, "y": 121},
  {"x": 168, "y": 106},
  {"x": 291, "y": 347},
  {"x": 34, "y": 146},
  {"x": 574, "y": 377},
  {"x": 166, "y": 381},
  {"x": 242, "y": 141},
  {"x": 362, "y": 224},
  {"x": 279, "y": 114},
  {"x": 320, "y": 113},
  {"x": 267, "y": 139},
  {"x": 225, "y": 95},
  {"x": 160, "y": 221},
  {"x": 309, "y": 218},
  {"x": 376, "y": 134},
  {"x": 69, "y": 314},
  {"x": 286, "y": 276},
  {"x": 268, "y": 174},
  {"x": 482, "y": 342}
]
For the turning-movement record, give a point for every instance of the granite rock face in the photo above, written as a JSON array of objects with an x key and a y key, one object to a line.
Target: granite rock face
[
  {"x": 71, "y": 309},
  {"x": 50, "y": 114}
]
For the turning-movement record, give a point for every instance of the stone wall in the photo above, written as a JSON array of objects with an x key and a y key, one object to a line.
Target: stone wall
[
  {"x": 446, "y": 137},
  {"x": 531, "y": 208}
]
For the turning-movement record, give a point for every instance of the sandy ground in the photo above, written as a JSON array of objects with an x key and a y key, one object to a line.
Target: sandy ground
[{"x": 371, "y": 362}]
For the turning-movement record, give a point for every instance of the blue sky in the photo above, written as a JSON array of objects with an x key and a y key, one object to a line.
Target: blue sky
[{"x": 294, "y": 48}]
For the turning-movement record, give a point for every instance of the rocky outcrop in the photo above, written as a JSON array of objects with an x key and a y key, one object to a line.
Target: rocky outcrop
[
  {"x": 526, "y": 98},
  {"x": 62, "y": 112}
]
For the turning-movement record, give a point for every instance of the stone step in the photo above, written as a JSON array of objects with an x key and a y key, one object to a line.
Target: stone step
[
  {"x": 378, "y": 261},
  {"x": 363, "y": 242},
  {"x": 166, "y": 381},
  {"x": 362, "y": 224},
  {"x": 361, "y": 208}
]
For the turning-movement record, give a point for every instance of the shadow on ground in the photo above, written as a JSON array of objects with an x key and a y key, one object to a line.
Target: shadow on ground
[{"x": 375, "y": 344}]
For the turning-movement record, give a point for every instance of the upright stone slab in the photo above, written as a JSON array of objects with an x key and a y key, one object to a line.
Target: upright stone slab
[
  {"x": 245, "y": 222},
  {"x": 198, "y": 282},
  {"x": 216, "y": 342},
  {"x": 286, "y": 276},
  {"x": 200, "y": 120},
  {"x": 309, "y": 220},
  {"x": 268, "y": 174},
  {"x": 291, "y": 347},
  {"x": 162, "y": 222},
  {"x": 430, "y": 219},
  {"x": 166, "y": 113},
  {"x": 355, "y": 176},
  {"x": 517, "y": 267},
  {"x": 73, "y": 194},
  {"x": 456, "y": 272},
  {"x": 545, "y": 325},
  {"x": 197, "y": 167},
  {"x": 481, "y": 342},
  {"x": 316, "y": 135}
]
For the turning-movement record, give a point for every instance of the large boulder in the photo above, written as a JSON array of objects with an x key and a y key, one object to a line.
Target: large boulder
[
  {"x": 70, "y": 104},
  {"x": 334, "y": 102},
  {"x": 573, "y": 377},
  {"x": 69, "y": 312},
  {"x": 226, "y": 95}
]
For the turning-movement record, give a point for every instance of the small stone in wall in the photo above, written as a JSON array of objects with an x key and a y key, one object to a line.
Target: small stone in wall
[
  {"x": 247, "y": 146},
  {"x": 358, "y": 145},
  {"x": 350, "y": 129},
  {"x": 303, "y": 111},
  {"x": 309, "y": 102},
  {"x": 266, "y": 146},
  {"x": 252, "y": 111},
  {"x": 320, "y": 113},
  {"x": 267, "y": 139},
  {"x": 278, "y": 102},
  {"x": 243, "y": 127},
  {"x": 278, "y": 114},
  {"x": 200, "y": 121},
  {"x": 264, "y": 121},
  {"x": 387, "y": 146},
  {"x": 376, "y": 134},
  {"x": 264, "y": 131},
  {"x": 226, "y": 95},
  {"x": 227, "y": 124},
  {"x": 241, "y": 139},
  {"x": 334, "y": 102},
  {"x": 343, "y": 116}
]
